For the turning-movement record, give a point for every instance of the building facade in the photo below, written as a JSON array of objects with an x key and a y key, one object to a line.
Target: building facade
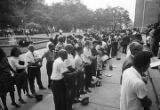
[{"x": 146, "y": 12}]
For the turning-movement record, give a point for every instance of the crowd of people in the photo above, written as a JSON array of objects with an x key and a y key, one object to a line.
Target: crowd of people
[{"x": 74, "y": 62}]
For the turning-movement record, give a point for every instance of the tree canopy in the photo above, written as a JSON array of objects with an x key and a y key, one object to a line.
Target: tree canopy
[{"x": 66, "y": 15}]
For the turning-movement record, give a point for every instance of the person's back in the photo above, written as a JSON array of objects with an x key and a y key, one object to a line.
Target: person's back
[{"x": 132, "y": 89}]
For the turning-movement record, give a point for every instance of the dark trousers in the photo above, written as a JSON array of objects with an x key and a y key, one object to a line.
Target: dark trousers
[
  {"x": 79, "y": 83},
  {"x": 154, "y": 46},
  {"x": 88, "y": 73},
  {"x": 49, "y": 66},
  {"x": 59, "y": 94},
  {"x": 94, "y": 66},
  {"x": 109, "y": 50},
  {"x": 124, "y": 49},
  {"x": 34, "y": 73},
  {"x": 71, "y": 90}
]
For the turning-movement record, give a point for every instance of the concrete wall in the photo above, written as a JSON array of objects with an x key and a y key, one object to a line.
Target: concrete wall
[
  {"x": 152, "y": 11},
  {"x": 38, "y": 45}
]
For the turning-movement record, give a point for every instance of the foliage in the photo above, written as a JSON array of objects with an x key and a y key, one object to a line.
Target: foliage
[{"x": 66, "y": 16}]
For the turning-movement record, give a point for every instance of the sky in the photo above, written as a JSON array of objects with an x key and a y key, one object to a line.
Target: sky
[{"x": 94, "y": 4}]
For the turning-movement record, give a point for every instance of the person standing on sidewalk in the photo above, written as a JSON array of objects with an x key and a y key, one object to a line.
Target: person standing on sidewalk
[
  {"x": 50, "y": 56},
  {"x": 6, "y": 80},
  {"x": 134, "y": 48},
  {"x": 87, "y": 58},
  {"x": 34, "y": 65},
  {"x": 58, "y": 83},
  {"x": 133, "y": 89},
  {"x": 19, "y": 66}
]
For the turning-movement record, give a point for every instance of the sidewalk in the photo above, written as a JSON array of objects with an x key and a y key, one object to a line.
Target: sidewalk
[{"x": 105, "y": 97}]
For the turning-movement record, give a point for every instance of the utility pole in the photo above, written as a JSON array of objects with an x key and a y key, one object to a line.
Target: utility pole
[{"x": 143, "y": 16}]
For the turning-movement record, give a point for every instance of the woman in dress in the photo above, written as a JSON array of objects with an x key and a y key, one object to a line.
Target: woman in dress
[
  {"x": 21, "y": 76},
  {"x": 6, "y": 80}
]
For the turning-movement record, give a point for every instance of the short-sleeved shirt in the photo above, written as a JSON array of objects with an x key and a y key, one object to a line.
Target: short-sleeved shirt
[
  {"x": 133, "y": 88},
  {"x": 86, "y": 54},
  {"x": 31, "y": 57},
  {"x": 58, "y": 69},
  {"x": 14, "y": 62},
  {"x": 78, "y": 63},
  {"x": 69, "y": 61}
]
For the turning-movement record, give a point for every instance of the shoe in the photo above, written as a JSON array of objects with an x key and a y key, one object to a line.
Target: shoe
[
  {"x": 34, "y": 95},
  {"x": 83, "y": 92},
  {"x": 99, "y": 77},
  {"x": 29, "y": 96},
  {"x": 42, "y": 88},
  {"x": 22, "y": 101},
  {"x": 49, "y": 87},
  {"x": 76, "y": 101},
  {"x": 16, "y": 105},
  {"x": 89, "y": 91},
  {"x": 5, "y": 108}
]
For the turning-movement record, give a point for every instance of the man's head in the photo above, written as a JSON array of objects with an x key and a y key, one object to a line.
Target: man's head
[
  {"x": 78, "y": 49},
  {"x": 87, "y": 43},
  {"x": 31, "y": 48},
  {"x": 15, "y": 52},
  {"x": 60, "y": 39},
  {"x": 51, "y": 46},
  {"x": 141, "y": 60},
  {"x": 63, "y": 54},
  {"x": 69, "y": 48},
  {"x": 135, "y": 47}
]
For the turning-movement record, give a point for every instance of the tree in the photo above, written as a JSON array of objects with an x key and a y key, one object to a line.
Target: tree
[
  {"x": 66, "y": 15},
  {"x": 6, "y": 13}
]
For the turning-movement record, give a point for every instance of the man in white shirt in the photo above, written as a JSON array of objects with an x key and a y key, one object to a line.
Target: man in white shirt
[
  {"x": 133, "y": 89},
  {"x": 34, "y": 65},
  {"x": 87, "y": 58},
  {"x": 58, "y": 84}
]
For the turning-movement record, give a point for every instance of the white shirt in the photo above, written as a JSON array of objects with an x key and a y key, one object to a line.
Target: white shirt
[
  {"x": 30, "y": 58},
  {"x": 69, "y": 61},
  {"x": 104, "y": 44},
  {"x": 58, "y": 69},
  {"x": 78, "y": 62},
  {"x": 14, "y": 62},
  {"x": 86, "y": 54},
  {"x": 133, "y": 88}
]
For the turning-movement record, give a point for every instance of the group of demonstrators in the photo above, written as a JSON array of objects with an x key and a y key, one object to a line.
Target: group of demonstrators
[
  {"x": 71, "y": 63},
  {"x": 74, "y": 62},
  {"x": 78, "y": 60},
  {"x": 17, "y": 71}
]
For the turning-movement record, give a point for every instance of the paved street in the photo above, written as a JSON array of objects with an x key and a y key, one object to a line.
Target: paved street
[{"x": 106, "y": 97}]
